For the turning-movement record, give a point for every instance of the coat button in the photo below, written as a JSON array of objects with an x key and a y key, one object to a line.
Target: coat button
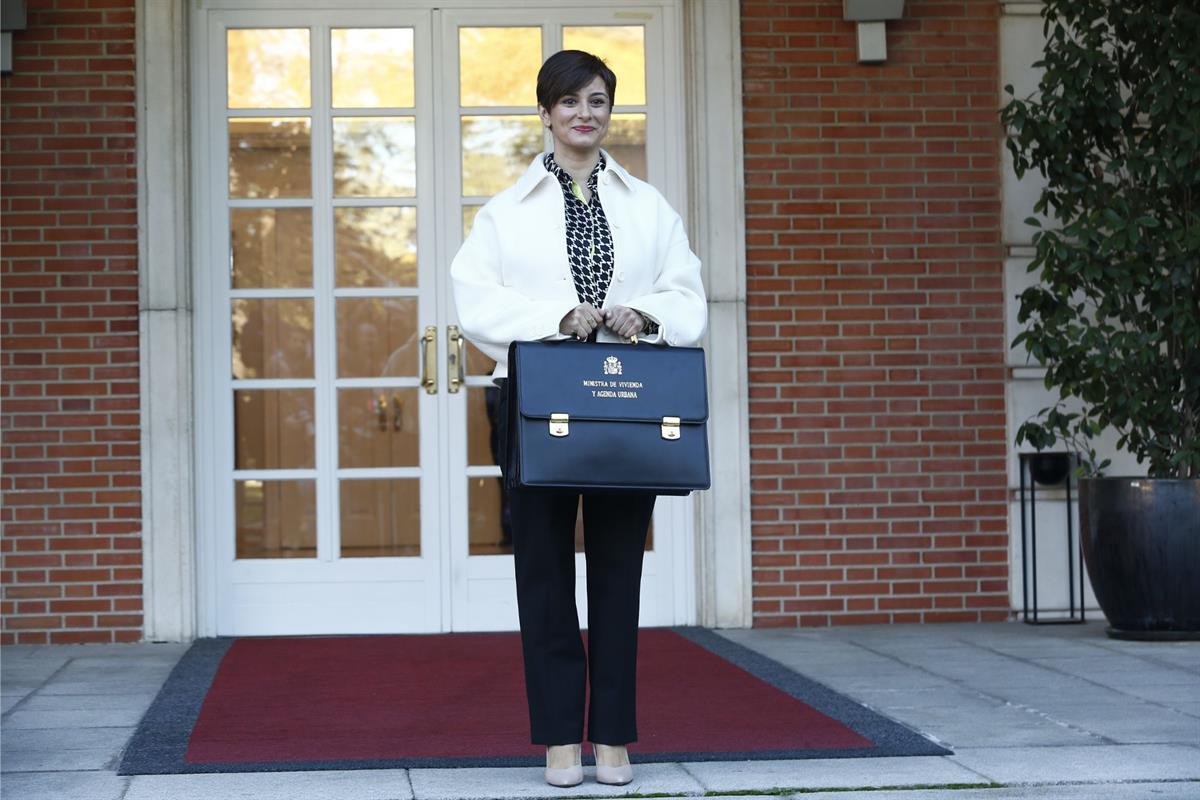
[{"x": 621, "y": 275}]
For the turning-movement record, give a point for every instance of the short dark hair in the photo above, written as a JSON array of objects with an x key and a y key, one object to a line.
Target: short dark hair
[{"x": 568, "y": 71}]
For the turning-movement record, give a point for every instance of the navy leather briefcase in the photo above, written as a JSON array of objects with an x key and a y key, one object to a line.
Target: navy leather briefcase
[{"x": 607, "y": 417}]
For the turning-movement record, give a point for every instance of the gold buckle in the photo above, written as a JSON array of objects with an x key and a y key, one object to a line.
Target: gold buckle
[
  {"x": 670, "y": 427},
  {"x": 559, "y": 424}
]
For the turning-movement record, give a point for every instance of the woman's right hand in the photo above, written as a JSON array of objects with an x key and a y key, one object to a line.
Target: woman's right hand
[{"x": 581, "y": 321}]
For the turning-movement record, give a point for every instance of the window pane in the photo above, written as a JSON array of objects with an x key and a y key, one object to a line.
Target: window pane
[
  {"x": 270, "y": 157},
  {"x": 626, "y": 141},
  {"x": 276, "y": 519},
  {"x": 375, "y": 246},
  {"x": 499, "y": 66},
  {"x": 273, "y": 429},
  {"x": 270, "y": 248},
  {"x": 489, "y": 522},
  {"x": 374, "y": 157},
  {"x": 469, "y": 213},
  {"x": 272, "y": 338},
  {"x": 372, "y": 67},
  {"x": 483, "y": 438},
  {"x": 268, "y": 68},
  {"x": 623, "y": 49},
  {"x": 378, "y": 428},
  {"x": 381, "y": 518},
  {"x": 477, "y": 362},
  {"x": 377, "y": 337},
  {"x": 496, "y": 151}
]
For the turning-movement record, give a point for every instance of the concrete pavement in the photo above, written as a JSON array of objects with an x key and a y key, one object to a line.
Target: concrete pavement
[{"x": 1053, "y": 712}]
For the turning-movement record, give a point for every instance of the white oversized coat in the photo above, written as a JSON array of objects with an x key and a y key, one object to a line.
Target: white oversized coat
[{"x": 512, "y": 279}]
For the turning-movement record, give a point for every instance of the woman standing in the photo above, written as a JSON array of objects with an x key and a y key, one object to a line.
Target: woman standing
[{"x": 577, "y": 247}]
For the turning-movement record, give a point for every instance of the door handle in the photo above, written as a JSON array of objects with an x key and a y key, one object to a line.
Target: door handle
[
  {"x": 397, "y": 410},
  {"x": 381, "y": 408},
  {"x": 429, "y": 368},
  {"x": 454, "y": 358}
]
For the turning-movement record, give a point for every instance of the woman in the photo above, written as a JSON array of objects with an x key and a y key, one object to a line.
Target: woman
[{"x": 577, "y": 247}]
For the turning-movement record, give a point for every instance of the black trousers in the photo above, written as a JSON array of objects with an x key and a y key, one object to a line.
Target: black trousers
[{"x": 556, "y": 666}]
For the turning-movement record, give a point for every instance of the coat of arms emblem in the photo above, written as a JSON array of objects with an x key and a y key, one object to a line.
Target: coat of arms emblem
[{"x": 612, "y": 366}]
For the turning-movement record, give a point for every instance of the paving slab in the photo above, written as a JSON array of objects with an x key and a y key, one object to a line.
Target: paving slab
[
  {"x": 1167, "y": 695},
  {"x": 529, "y": 782},
  {"x": 829, "y": 773},
  {"x": 9, "y": 700},
  {"x": 1114, "y": 791},
  {"x": 44, "y": 750},
  {"x": 92, "y": 785},
  {"x": 36, "y": 739},
  {"x": 361, "y": 784},
  {"x": 963, "y": 698},
  {"x": 100, "y": 758},
  {"x": 1127, "y": 722},
  {"x": 1000, "y": 726},
  {"x": 1096, "y": 764},
  {"x": 25, "y": 718},
  {"x": 127, "y": 684},
  {"x": 90, "y": 702}
]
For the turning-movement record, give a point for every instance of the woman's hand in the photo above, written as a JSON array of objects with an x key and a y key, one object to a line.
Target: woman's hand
[
  {"x": 581, "y": 321},
  {"x": 624, "y": 322}
]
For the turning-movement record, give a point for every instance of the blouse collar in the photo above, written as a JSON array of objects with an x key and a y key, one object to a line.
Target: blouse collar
[{"x": 537, "y": 172}]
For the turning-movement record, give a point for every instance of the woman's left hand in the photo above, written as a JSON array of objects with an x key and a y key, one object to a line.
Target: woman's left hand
[{"x": 624, "y": 321}]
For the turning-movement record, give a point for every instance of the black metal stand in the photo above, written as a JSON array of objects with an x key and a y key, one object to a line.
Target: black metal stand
[{"x": 1048, "y": 469}]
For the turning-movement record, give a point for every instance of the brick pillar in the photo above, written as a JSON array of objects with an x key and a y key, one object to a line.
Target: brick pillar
[
  {"x": 875, "y": 304},
  {"x": 71, "y": 546}
]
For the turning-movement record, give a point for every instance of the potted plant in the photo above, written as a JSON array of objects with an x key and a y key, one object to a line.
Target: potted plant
[{"x": 1114, "y": 129}]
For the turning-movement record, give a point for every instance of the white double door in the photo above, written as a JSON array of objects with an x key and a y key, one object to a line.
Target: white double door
[{"x": 347, "y": 477}]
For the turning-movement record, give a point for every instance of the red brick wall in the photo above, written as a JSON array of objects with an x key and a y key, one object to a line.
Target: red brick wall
[
  {"x": 70, "y": 477},
  {"x": 876, "y": 316}
]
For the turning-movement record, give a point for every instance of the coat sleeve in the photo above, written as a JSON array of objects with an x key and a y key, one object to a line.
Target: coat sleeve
[
  {"x": 677, "y": 302},
  {"x": 491, "y": 314}
]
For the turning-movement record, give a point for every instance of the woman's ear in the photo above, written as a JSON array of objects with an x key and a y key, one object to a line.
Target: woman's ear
[{"x": 545, "y": 115}]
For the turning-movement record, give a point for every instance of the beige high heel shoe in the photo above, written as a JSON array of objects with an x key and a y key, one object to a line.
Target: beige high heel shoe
[
  {"x": 564, "y": 765},
  {"x": 612, "y": 764}
]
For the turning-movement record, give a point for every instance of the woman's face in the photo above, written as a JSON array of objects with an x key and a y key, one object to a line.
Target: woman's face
[{"x": 579, "y": 121}]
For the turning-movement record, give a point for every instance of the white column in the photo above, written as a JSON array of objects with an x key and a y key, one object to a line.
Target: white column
[
  {"x": 165, "y": 321},
  {"x": 1021, "y": 44},
  {"x": 717, "y": 224}
]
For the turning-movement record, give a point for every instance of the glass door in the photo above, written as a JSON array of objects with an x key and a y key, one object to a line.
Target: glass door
[
  {"x": 323, "y": 270},
  {"x": 493, "y": 131}
]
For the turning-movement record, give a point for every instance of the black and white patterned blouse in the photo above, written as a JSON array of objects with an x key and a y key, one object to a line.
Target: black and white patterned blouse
[{"x": 589, "y": 239}]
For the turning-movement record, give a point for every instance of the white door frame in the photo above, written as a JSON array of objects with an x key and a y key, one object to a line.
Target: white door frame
[{"x": 179, "y": 590}]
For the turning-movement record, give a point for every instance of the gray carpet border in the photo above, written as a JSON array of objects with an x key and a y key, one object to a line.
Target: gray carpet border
[{"x": 160, "y": 742}]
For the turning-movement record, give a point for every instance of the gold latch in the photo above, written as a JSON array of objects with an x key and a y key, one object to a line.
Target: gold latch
[
  {"x": 670, "y": 428},
  {"x": 559, "y": 424}
]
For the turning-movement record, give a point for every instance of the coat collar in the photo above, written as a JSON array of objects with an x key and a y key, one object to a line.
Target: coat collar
[{"x": 536, "y": 173}]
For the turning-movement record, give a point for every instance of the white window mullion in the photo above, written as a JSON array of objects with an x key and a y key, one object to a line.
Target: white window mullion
[
  {"x": 438, "y": 211},
  {"x": 325, "y": 322}
]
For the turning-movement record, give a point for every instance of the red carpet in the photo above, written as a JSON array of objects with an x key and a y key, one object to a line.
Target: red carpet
[
  {"x": 458, "y": 700},
  {"x": 456, "y": 695}
]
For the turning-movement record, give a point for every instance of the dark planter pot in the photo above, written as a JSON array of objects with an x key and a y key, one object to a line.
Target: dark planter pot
[{"x": 1141, "y": 543}]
